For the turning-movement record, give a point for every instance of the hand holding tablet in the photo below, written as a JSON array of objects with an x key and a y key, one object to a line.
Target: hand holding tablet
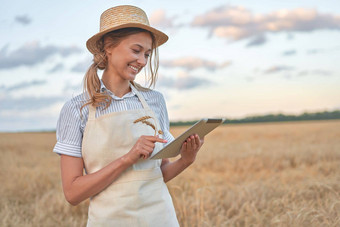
[{"x": 201, "y": 128}]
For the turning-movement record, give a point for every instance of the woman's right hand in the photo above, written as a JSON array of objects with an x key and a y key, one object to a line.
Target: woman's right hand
[{"x": 143, "y": 148}]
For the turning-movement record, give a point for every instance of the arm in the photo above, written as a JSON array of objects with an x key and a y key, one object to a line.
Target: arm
[
  {"x": 188, "y": 155},
  {"x": 78, "y": 187}
]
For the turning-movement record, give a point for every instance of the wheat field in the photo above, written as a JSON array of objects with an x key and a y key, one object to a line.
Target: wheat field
[{"x": 273, "y": 174}]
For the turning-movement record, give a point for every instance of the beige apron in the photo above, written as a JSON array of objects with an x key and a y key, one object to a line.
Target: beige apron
[{"x": 139, "y": 196}]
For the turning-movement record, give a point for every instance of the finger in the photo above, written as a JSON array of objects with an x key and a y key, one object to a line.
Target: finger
[
  {"x": 197, "y": 140},
  {"x": 144, "y": 154},
  {"x": 193, "y": 143},
  {"x": 149, "y": 153},
  {"x": 184, "y": 146},
  {"x": 155, "y": 139},
  {"x": 148, "y": 144},
  {"x": 148, "y": 148},
  {"x": 189, "y": 144}
]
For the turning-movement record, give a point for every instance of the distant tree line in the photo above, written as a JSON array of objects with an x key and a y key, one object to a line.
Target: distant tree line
[{"x": 326, "y": 115}]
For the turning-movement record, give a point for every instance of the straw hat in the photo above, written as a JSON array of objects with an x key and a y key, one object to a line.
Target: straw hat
[{"x": 124, "y": 16}]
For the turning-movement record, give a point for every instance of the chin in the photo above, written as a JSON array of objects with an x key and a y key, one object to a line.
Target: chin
[
  {"x": 133, "y": 75},
  {"x": 131, "y": 78}
]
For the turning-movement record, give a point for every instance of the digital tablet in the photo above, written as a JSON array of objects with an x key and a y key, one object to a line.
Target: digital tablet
[{"x": 201, "y": 128}]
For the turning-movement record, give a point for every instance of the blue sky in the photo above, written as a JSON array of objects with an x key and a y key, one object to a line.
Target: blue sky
[{"x": 223, "y": 58}]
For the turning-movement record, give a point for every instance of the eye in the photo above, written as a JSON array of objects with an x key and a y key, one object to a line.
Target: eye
[
  {"x": 135, "y": 51},
  {"x": 147, "y": 55}
]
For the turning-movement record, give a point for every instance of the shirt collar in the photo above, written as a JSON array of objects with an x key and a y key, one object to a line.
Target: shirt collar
[{"x": 127, "y": 95}]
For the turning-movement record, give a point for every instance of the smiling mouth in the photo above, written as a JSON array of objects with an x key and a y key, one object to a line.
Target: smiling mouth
[{"x": 135, "y": 69}]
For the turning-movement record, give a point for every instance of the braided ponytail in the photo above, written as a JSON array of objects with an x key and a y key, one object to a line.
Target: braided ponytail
[{"x": 92, "y": 83}]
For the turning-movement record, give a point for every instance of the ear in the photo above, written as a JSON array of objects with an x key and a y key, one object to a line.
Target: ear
[{"x": 108, "y": 50}]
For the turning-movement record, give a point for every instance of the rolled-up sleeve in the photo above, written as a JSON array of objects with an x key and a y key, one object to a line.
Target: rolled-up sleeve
[{"x": 68, "y": 131}]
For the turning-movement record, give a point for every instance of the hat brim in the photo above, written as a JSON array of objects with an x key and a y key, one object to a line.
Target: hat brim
[{"x": 161, "y": 37}]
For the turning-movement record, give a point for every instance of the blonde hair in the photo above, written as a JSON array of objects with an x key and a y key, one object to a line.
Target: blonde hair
[{"x": 91, "y": 80}]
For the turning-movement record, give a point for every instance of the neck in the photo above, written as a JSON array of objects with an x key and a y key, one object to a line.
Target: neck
[{"x": 116, "y": 85}]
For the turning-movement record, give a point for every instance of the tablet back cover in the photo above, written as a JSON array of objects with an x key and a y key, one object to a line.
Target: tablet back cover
[{"x": 202, "y": 128}]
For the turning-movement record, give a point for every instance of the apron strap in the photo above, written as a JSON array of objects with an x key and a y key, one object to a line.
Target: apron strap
[
  {"x": 146, "y": 106},
  {"x": 92, "y": 112},
  {"x": 141, "y": 98}
]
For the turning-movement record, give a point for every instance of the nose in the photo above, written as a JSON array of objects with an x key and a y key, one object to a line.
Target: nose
[{"x": 142, "y": 60}]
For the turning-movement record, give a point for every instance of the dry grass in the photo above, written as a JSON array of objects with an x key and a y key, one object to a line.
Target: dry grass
[{"x": 283, "y": 174}]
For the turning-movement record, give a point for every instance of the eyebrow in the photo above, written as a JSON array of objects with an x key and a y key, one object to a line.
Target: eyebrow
[{"x": 141, "y": 46}]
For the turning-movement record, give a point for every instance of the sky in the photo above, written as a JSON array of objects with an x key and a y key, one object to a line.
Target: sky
[{"x": 227, "y": 59}]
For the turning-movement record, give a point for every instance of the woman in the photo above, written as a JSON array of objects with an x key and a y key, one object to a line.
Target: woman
[{"x": 112, "y": 129}]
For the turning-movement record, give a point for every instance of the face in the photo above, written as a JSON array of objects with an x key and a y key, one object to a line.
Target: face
[{"x": 127, "y": 59}]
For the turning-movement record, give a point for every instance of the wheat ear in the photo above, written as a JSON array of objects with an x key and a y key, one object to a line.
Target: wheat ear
[{"x": 142, "y": 119}]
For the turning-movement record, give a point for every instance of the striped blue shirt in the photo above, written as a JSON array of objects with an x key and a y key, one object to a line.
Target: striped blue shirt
[{"x": 71, "y": 122}]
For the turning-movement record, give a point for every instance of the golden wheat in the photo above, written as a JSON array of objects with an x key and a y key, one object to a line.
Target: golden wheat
[
  {"x": 275, "y": 174},
  {"x": 142, "y": 119}
]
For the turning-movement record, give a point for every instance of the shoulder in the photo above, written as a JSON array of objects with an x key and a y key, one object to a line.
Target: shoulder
[{"x": 74, "y": 104}]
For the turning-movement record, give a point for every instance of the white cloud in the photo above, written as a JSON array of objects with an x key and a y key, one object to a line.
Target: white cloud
[
  {"x": 238, "y": 23},
  {"x": 22, "y": 85},
  {"x": 259, "y": 40},
  {"x": 82, "y": 66},
  {"x": 159, "y": 19},
  {"x": 27, "y": 103},
  {"x": 32, "y": 53},
  {"x": 23, "y": 19},
  {"x": 278, "y": 68},
  {"x": 289, "y": 52},
  {"x": 317, "y": 72},
  {"x": 58, "y": 67},
  {"x": 190, "y": 63},
  {"x": 183, "y": 81}
]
